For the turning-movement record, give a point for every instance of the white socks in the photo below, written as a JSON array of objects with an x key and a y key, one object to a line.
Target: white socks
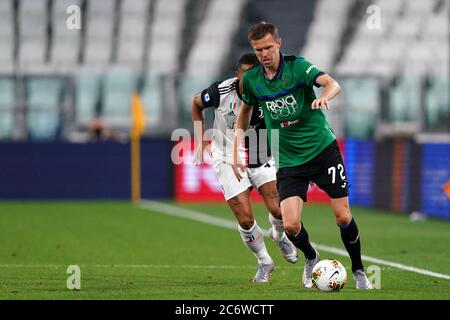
[
  {"x": 278, "y": 229},
  {"x": 254, "y": 240}
]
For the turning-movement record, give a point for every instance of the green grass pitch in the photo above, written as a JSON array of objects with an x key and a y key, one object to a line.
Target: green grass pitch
[{"x": 127, "y": 252}]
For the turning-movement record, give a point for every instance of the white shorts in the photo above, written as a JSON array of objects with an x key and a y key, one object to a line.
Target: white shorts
[{"x": 252, "y": 177}]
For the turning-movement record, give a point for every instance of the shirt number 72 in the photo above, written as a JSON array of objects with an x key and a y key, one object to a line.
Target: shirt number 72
[{"x": 332, "y": 171}]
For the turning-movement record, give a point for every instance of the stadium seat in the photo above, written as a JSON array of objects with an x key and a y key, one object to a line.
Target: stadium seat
[
  {"x": 7, "y": 93},
  {"x": 292, "y": 18},
  {"x": 404, "y": 100},
  {"x": 65, "y": 44},
  {"x": 6, "y": 6},
  {"x": 327, "y": 26},
  {"x": 7, "y": 102},
  {"x": 130, "y": 7},
  {"x": 6, "y": 124},
  {"x": 98, "y": 52},
  {"x": 132, "y": 33},
  {"x": 152, "y": 99},
  {"x": 436, "y": 99},
  {"x": 118, "y": 89},
  {"x": 165, "y": 36},
  {"x": 361, "y": 101},
  {"x": 210, "y": 48},
  {"x": 103, "y": 8},
  {"x": 33, "y": 34},
  {"x": 32, "y": 16},
  {"x": 65, "y": 53},
  {"x": 6, "y": 54},
  {"x": 43, "y": 124},
  {"x": 405, "y": 42},
  {"x": 167, "y": 40},
  {"x": 43, "y": 92},
  {"x": 190, "y": 85},
  {"x": 43, "y": 104},
  {"x": 133, "y": 26},
  {"x": 32, "y": 52},
  {"x": 6, "y": 28},
  {"x": 130, "y": 51},
  {"x": 99, "y": 36},
  {"x": 6, "y": 37},
  {"x": 87, "y": 97}
]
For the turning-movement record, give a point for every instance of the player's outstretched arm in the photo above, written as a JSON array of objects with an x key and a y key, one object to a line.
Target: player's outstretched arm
[
  {"x": 242, "y": 123},
  {"x": 330, "y": 89},
  {"x": 197, "y": 119}
]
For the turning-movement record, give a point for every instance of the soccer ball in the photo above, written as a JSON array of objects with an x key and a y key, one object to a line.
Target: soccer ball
[{"x": 329, "y": 275}]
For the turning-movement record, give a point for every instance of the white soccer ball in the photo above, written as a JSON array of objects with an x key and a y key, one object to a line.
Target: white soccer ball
[{"x": 329, "y": 275}]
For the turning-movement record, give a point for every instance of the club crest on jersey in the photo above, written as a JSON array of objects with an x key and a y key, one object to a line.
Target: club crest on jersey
[
  {"x": 260, "y": 112},
  {"x": 282, "y": 107},
  {"x": 230, "y": 119}
]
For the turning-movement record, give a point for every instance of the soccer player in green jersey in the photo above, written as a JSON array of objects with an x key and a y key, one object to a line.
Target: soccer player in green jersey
[
  {"x": 307, "y": 150},
  {"x": 225, "y": 97}
]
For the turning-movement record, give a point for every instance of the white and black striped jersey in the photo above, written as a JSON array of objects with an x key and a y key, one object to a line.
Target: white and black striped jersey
[{"x": 225, "y": 97}]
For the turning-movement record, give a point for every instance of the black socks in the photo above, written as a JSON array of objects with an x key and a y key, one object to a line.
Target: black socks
[
  {"x": 301, "y": 241},
  {"x": 350, "y": 238}
]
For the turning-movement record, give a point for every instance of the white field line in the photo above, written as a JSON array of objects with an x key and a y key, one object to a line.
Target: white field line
[
  {"x": 141, "y": 266},
  {"x": 225, "y": 223},
  {"x": 131, "y": 266}
]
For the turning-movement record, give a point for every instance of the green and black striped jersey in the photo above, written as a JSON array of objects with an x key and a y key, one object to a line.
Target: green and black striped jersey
[{"x": 286, "y": 102}]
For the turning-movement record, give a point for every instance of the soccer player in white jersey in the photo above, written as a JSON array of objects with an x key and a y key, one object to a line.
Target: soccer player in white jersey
[{"x": 260, "y": 174}]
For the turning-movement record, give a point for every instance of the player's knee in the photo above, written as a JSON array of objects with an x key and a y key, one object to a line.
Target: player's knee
[
  {"x": 292, "y": 228},
  {"x": 343, "y": 216}
]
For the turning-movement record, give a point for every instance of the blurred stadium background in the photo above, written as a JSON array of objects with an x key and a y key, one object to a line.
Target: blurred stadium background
[
  {"x": 59, "y": 88},
  {"x": 393, "y": 116}
]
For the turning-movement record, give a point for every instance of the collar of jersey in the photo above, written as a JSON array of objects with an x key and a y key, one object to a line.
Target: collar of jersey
[{"x": 279, "y": 70}]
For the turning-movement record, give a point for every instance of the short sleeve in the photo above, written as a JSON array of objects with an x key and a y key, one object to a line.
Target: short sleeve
[
  {"x": 310, "y": 72},
  {"x": 211, "y": 96},
  {"x": 247, "y": 94}
]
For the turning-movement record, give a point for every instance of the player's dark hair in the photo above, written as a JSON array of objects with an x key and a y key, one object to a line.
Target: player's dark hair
[
  {"x": 261, "y": 29},
  {"x": 248, "y": 58}
]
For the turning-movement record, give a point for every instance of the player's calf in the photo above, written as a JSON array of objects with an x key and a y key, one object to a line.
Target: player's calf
[{"x": 351, "y": 240}]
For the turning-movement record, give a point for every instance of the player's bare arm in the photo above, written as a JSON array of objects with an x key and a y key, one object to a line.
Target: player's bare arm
[
  {"x": 242, "y": 123},
  {"x": 198, "y": 120},
  {"x": 330, "y": 89}
]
